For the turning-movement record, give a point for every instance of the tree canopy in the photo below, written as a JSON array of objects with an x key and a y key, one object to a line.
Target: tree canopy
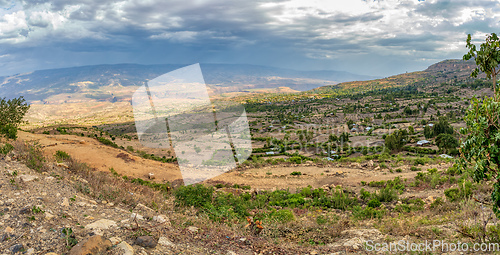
[
  {"x": 487, "y": 58},
  {"x": 12, "y": 112}
]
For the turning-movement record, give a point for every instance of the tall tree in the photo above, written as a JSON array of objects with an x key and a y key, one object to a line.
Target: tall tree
[
  {"x": 480, "y": 149},
  {"x": 487, "y": 58}
]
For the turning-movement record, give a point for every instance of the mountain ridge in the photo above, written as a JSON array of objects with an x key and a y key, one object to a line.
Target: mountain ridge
[{"x": 221, "y": 78}]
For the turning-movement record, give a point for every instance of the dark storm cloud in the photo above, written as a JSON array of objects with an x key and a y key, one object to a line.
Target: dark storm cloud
[{"x": 379, "y": 35}]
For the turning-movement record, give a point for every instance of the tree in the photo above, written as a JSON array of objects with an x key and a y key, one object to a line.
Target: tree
[
  {"x": 480, "y": 149},
  {"x": 12, "y": 112},
  {"x": 428, "y": 132},
  {"x": 396, "y": 140},
  {"x": 442, "y": 127},
  {"x": 487, "y": 58},
  {"x": 446, "y": 142},
  {"x": 411, "y": 129}
]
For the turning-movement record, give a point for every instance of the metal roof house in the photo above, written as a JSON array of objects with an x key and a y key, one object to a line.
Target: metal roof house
[{"x": 423, "y": 142}]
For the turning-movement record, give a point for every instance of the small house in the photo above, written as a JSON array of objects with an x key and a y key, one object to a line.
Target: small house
[{"x": 423, "y": 142}]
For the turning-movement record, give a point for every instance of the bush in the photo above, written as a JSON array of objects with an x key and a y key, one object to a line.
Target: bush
[
  {"x": 282, "y": 216},
  {"x": 296, "y": 173},
  {"x": 387, "y": 194},
  {"x": 6, "y": 149},
  {"x": 11, "y": 114},
  {"x": 374, "y": 203},
  {"x": 61, "y": 156},
  {"x": 9, "y": 131},
  {"x": 194, "y": 195},
  {"x": 367, "y": 213},
  {"x": 339, "y": 200},
  {"x": 107, "y": 142},
  {"x": 463, "y": 191}
]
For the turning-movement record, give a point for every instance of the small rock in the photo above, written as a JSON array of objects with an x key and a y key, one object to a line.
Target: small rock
[
  {"x": 151, "y": 176},
  {"x": 126, "y": 248},
  {"x": 62, "y": 165},
  {"x": 48, "y": 216},
  {"x": 30, "y": 251},
  {"x": 8, "y": 230},
  {"x": 93, "y": 245},
  {"x": 25, "y": 210},
  {"x": 115, "y": 240},
  {"x": 231, "y": 253},
  {"x": 143, "y": 207},
  {"x": 65, "y": 202},
  {"x": 193, "y": 229},
  {"x": 136, "y": 216},
  {"x": 165, "y": 242},
  {"x": 101, "y": 224},
  {"x": 162, "y": 219},
  {"x": 16, "y": 248},
  {"x": 146, "y": 241},
  {"x": 27, "y": 178}
]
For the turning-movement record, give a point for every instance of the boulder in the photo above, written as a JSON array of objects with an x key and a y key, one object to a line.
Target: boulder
[{"x": 93, "y": 245}]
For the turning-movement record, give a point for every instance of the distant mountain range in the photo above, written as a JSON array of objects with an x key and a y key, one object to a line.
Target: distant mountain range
[{"x": 116, "y": 82}]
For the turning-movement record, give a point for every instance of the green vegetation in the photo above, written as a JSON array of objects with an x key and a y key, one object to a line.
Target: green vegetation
[
  {"x": 61, "y": 156},
  {"x": 480, "y": 148},
  {"x": 12, "y": 112},
  {"x": 396, "y": 140}
]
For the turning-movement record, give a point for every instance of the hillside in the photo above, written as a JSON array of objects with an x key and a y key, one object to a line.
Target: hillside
[
  {"x": 117, "y": 82},
  {"x": 447, "y": 71}
]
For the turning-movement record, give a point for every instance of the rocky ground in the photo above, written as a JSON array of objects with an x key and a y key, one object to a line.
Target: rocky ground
[{"x": 42, "y": 214}]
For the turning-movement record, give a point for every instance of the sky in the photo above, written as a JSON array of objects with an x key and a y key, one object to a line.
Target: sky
[{"x": 379, "y": 38}]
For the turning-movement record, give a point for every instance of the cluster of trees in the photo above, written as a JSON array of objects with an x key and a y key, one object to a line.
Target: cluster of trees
[
  {"x": 12, "y": 112},
  {"x": 396, "y": 140}
]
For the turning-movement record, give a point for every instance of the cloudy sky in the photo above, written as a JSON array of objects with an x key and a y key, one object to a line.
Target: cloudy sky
[{"x": 374, "y": 37}]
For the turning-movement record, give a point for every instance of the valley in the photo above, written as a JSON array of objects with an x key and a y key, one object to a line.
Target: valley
[{"x": 331, "y": 167}]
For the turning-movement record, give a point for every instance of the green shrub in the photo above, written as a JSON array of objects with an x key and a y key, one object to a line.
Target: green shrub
[
  {"x": 463, "y": 191},
  {"x": 437, "y": 203},
  {"x": 452, "y": 194},
  {"x": 194, "y": 195},
  {"x": 414, "y": 168},
  {"x": 365, "y": 195},
  {"x": 367, "y": 213},
  {"x": 295, "y": 159},
  {"x": 9, "y": 130},
  {"x": 34, "y": 159},
  {"x": 338, "y": 200},
  {"x": 374, "y": 203},
  {"x": 61, "y": 156},
  {"x": 220, "y": 213},
  {"x": 296, "y": 173},
  {"x": 282, "y": 216},
  {"x": 107, "y": 142},
  {"x": 6, "y": 149},
  {"x": 387, "y": 194}
]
